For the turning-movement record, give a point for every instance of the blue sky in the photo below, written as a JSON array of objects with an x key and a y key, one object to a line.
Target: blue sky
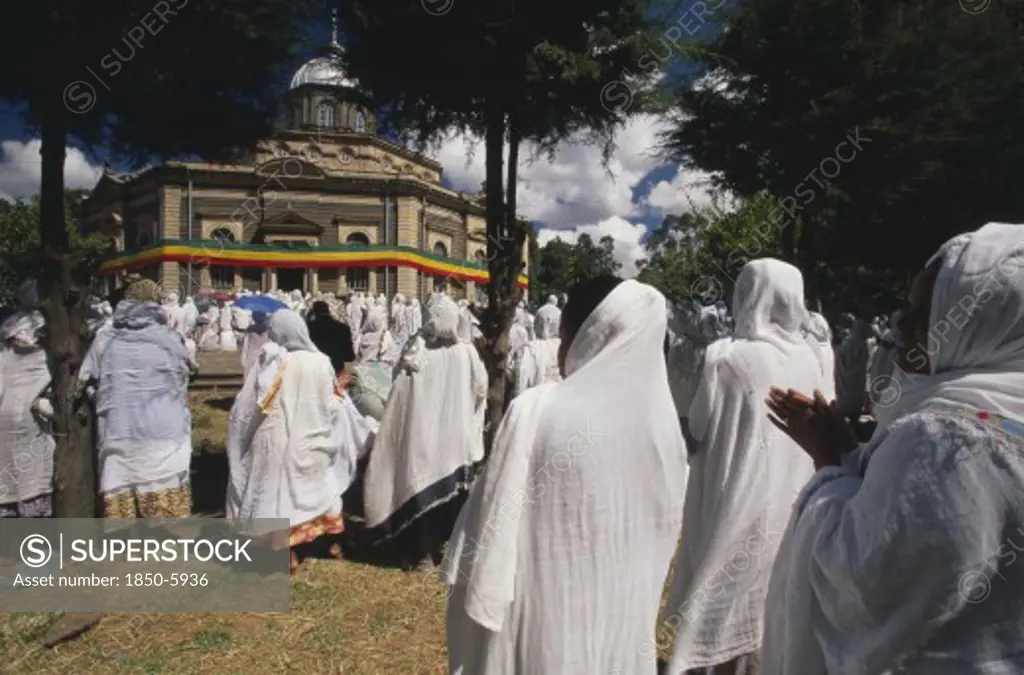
[{"x": 565, "y": 197}]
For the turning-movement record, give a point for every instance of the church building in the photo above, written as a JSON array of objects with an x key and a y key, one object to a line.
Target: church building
[{"x": 324, "y": 204}]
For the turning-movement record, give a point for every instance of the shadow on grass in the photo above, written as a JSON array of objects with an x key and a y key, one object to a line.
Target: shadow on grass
[
  {"x": 209, "y": 479},
  {"x": 224, "y": 403}
]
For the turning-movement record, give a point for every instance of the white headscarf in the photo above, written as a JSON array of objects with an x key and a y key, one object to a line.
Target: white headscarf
[
  {"x": 745, "y": 473},
  {"x": 505, "y": 566},
  {"x": 373, "y": 340},
  {"x": 976, "y": 340},
  {"x": 856, "y": 570},
  {"x": 287, "y": 332}
]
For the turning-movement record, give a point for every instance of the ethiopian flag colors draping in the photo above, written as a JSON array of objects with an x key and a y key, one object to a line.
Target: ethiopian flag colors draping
[{"x": 260, "y": 255}]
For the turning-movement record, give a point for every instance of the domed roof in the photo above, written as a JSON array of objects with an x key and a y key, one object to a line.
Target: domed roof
[{"x": 324, "y": 71}]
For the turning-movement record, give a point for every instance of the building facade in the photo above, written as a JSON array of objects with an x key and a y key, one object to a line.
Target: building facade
[{"x": 324, "y": 204}]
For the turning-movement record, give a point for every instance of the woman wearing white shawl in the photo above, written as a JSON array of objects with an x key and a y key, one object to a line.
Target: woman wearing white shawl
[
  {"x": 282, "y": 448},
  {"x": 851, "y": 369},
  {"x": 538, "y": 363},
  {"x": 559, "y": 557},
  {"x": 745, "y": 474},
  {"x": 175, "y": 314},
  {"x": 375, "y": 365},
  {"x": 892, "y": 552},
  {"x": 883, "y": 363},
  {"x": 253, "y": 340},
  {"x": 141, "y": 370},
  {"x": 209, "y": 336},
  {"x": 191, "y": 318},
  {"x": 414, "y": 315},
  {"x": 430, "y": 437},
  {"x": 686, "y": 355},
  {"x": 818, "y": 329},
  {"x": 228, "y": 339},
  {"x": 26, "y": 435}
]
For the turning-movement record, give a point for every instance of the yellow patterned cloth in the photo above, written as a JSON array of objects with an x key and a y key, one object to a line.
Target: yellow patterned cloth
[
  {"x": 169, "y": 503},
  {"x": 316, "y": 528}
]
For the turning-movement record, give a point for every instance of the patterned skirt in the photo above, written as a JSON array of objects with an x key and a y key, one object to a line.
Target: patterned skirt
[
  {"x": 165, "y": 499},
  {"x": 309, "y": 531}
]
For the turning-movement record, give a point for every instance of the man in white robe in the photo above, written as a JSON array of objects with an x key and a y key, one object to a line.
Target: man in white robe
[
  {"x": 745, "y": 475},
  {"x": 558, "y": 559},
  {"x": 902, "y": 556},
  {"x": 549, "y": 315},
  {"x": 431, "y": 436},
  {"x": 175, "y": 314},
  {"x": 851, "y": 369}
]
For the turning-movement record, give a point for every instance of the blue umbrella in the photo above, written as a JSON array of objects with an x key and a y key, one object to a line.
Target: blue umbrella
[{"x": 259, "y": 303}]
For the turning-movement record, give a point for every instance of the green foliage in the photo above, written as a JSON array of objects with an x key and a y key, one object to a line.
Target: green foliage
[
  {"x": 19, "y": 241},
  {"x": 175, "y": 78},
  {"x": 933, "y": 93},
  {"x": 698, "y": 255},
  {"x": 546, "y": 70},
  {"x": 560, "y": 265}
]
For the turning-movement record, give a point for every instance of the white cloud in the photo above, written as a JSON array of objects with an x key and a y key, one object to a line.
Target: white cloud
[
  {"x": 574, "y": 188},
  {"x": 683, "y": 193},
  {"x": 627, "y": 235},
  {"x": 21, "y": 169}
]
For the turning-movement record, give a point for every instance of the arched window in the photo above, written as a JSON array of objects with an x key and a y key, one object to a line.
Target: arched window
[
  {"x": 359, "y": 123},
  {"x": 440, "y": 283},
  {"x": 222, "y": 278},
  {"x": 357, "y": 278},
  {"x": 223, "y": 234},
  {"x": 325, "y": 115}
]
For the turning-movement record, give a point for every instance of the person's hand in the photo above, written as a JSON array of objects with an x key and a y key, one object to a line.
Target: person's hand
[
  {"x": 342, "y": 382},
  {"x": 816, "y": 425}
]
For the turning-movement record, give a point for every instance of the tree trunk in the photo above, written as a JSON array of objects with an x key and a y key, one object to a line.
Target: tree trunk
[
  {"x": 64, "y": 308},
  {"x": 496, "y": 317}
]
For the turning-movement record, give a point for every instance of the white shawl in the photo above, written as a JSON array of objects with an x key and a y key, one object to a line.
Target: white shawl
[
  {"x": 433, "y": 424},
  {"x": 891, "y": 566},
  {"x": 745, "y": 473},
  {"x": 26, "y": 437},
  {"x": 558, "y": 559},
  {"x": 282, "y": 445}
]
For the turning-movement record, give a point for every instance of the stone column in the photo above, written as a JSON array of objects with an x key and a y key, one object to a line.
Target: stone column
[{"x": 408, "y": 209}]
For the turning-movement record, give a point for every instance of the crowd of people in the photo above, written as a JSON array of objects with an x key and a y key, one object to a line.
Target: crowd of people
[{"x": 835, "y": 498}]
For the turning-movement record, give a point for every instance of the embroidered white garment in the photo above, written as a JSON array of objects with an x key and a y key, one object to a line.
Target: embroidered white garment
[
  {"x": 744, "y": 475},
  {"x": 861, "y": 573},
  {"x": 559, "y": 557},
  {"x": 432, "y": 430},
  {"x": 282, "y": 446}
]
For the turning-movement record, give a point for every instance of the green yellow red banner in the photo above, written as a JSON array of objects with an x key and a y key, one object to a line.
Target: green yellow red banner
[{"x": 227, "y": 254}]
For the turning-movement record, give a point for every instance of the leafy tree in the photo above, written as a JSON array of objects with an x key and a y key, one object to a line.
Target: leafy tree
[
  {"x": 560, "y": 264},
  {"x": 926, "y": 98},
  {"x": 507, "y": 71},
  {"x": 168, "y": 79},
  {"x": 20, "y": 246},
  {"x": 698, "y": 255}
]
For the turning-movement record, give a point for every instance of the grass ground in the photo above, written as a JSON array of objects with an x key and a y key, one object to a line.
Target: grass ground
[{"x": 346, "y": 619}]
